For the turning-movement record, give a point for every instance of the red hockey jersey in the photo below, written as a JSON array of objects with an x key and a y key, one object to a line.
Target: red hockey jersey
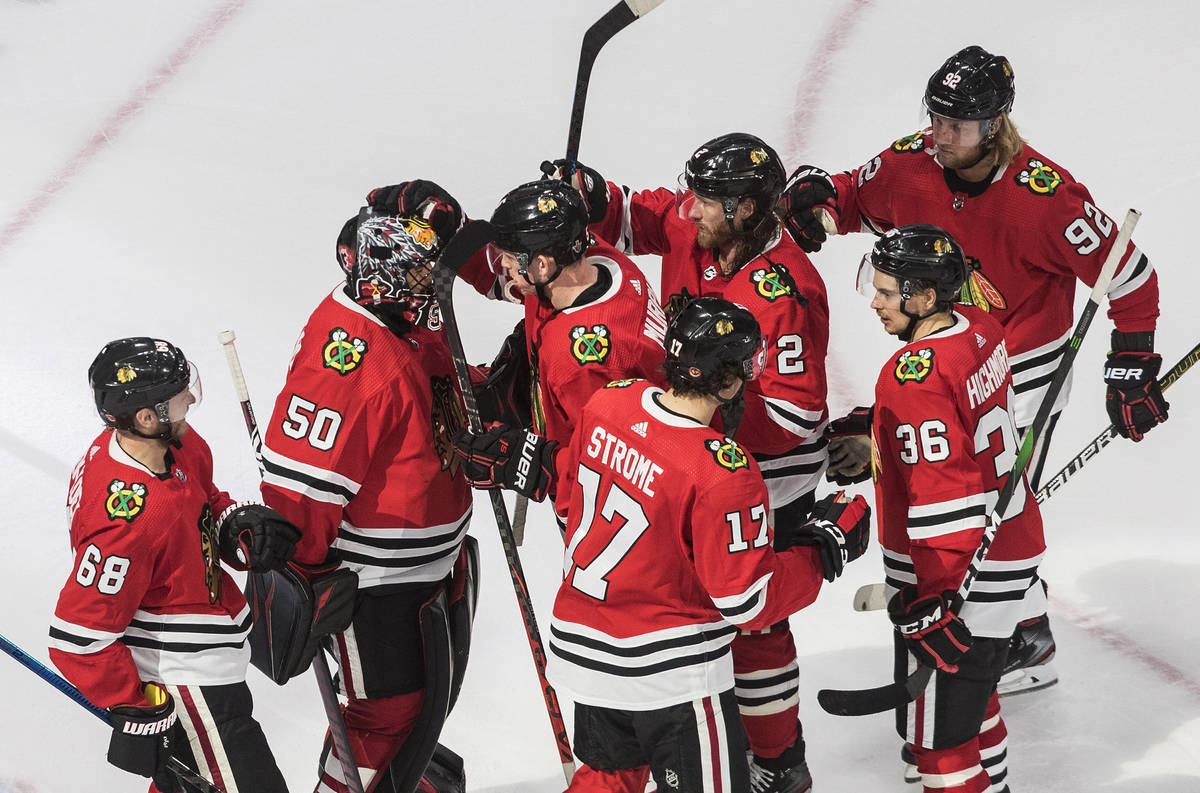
[
  {"x": 147, "y": 599},
  {"x": 785, "y": 407},
  {"x": 616, "y": 334},
  {"x": 668, "y": 553},
  {"x": 358, "y": 453},
  {"x": 944, "y": 444},
  {"x": 1034, "y": 230}
]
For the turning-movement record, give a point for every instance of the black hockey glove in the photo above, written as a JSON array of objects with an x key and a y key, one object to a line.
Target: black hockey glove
[
  {"x": 507, "y": 457},
  {"x": 932, "y": 632},
  {"x": 142, "y": 739},
  {"x": 850, "y": 447},
  {"x": 445, "y": 216},
  {"x": 505, "y": 395},
  {"x": 1134, "y": 400},
  {"x": 808, "y": 189},
  {"x": 257, "y": 536},
  {"x": 840, "y": 530},
  {"x": 587, "y": 181}
]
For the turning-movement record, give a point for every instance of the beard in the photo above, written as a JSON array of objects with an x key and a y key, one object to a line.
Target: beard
[
  {"x": 713, "y": 239},
  {"x": 962, "y": 158}
]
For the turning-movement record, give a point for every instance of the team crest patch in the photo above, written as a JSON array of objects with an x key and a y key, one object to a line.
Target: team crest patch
[
  {"x": 341, "y": 353},
  {"x": 211, "y": 552},
  {"x": 126, "y": 374},
  {"x": 125, "y": 502},
  {"x": 677, "y": 301},
  {"x": 876, "y": 461},
  {"x": 448, "y": 417},
  {"x": 727, "y": 453},
  {"x": 979, "y": 291},
  {"x": 590, "y": 346},
  {"x": 910, "y": 143},
  {"x": 772, "y": 284},
  {"x": 620, "y": 383},
  {"x": 914, "y": 366},
  {"x": 1040, "y": 178}
]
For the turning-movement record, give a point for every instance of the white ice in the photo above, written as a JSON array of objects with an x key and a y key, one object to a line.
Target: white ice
[{"x": 177, "y": 168}]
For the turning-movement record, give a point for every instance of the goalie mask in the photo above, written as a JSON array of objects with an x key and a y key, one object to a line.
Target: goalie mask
[{"x": 388, "y": 261}]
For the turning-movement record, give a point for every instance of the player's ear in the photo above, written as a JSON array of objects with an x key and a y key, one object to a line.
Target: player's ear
[
  {"x": 146, "y": 420},
  {"x": 746, "y": 208}
]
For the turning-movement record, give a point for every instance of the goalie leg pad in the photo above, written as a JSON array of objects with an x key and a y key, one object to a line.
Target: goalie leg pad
[{"x": 464, "y": 595}]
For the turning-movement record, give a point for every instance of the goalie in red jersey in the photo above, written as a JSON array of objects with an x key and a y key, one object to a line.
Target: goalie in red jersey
[
  {"x": 1034, "y": 232},
  {"x": 149, "y": 624}
]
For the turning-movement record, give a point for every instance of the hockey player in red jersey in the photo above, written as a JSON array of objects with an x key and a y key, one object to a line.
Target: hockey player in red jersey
[
  {"x": 591, "y": 316},
  {"x": 1035, "y": 232},
  {"x": 149, "y": 624},
  {"x": 944, "y": 443},
  {"x": 357, "y": 453},
  {"x": 669, "y": 552},
  {"x": 718, "y": 236}
]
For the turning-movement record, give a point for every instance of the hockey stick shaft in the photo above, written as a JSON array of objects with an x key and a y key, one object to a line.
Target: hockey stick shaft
[
  {"x": 1110, "y": 432},
  {"x": 471, "y": 238},
  {"x": 174, "y": 764},
  {"x": 613, "y": 22},
  {"x": 320, "y": 667},
  {"x": 895, "y": 695}
]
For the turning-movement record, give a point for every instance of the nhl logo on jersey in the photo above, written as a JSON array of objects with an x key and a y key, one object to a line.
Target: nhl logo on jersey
[
  {"x": 212, "y": 553},
  {"x": 1040, "y": 178},
  {"x": 914, "y": 366},
  {"x": 341, "y": 353},
  {"x": 590, "y": 346},
  {"x": 771, "y": 284},
  {"x": 910, "y": 143},
  {"x": 125, "y": 502},
  {"x": 727, "y": 453}
]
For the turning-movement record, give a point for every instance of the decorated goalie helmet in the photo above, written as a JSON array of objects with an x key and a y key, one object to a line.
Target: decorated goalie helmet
[
  {"x": 140, "y": 372},
  {"x": 388, "y": 259}
]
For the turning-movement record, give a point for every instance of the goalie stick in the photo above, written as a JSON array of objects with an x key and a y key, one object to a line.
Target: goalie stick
[
  {"x": 174, "y": 764},
  {"x": 1110, "y": 433},
  {"x": 895, "y": 695},
  {"x": 470, "y": 239},
  {"x": 320, "y": 666},
  {"x": 613, "y": 22}
]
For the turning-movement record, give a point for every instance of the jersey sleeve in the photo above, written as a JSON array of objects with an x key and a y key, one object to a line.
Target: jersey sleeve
[
  {"x": 313, "y": 472},
  {"x": 636, "y": 221},
  {"x": 926, "y": 441},
  {"x": 865, "y": 194},
  {"x": 218, "y": 499},
  {"x": 113, "y": 568},
  {"x": 1076, "y": 238},
  {"x": 751, "y": 585}
]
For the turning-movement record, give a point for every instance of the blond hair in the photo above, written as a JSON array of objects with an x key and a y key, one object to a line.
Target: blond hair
[{"x": 1006, "y": 142}]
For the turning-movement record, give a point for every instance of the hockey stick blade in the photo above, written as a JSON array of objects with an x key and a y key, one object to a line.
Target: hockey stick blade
[
  {"x": 613, "y": 22},
  {"x": 1110, "y": 432},
  {"x": 870, "y": 597},
  {"x": 874, "y": 700}
]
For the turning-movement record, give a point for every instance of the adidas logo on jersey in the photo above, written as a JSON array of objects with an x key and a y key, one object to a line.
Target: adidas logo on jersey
[
  {"x": 640, "y": 428},
  {"x": 980, "y": 340},
  {"x": 636, "y": 284}
]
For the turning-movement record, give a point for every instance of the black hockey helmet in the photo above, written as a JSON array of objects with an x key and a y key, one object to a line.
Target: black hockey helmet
[
  {"x": 972, "y": 85},
  {"x": 921, "y": 255},
  {"x": 388, "y": 258},
  {"x": 736, "y": 166},
  {"x": 134, "y": 373},
  {"x": 710, "y": 334},
  {"x": 543, "y": 217}
]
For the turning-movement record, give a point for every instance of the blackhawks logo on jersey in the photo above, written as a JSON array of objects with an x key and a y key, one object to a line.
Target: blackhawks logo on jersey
[
  {"x": 448, "y": 417},
  {"x": 1039, "y": 177},
  {"x": 590, "y": 346},
  {"x": 621, "y": 383},
  {"x": 774, "y": 282},
  {"x": 677, "y": 301},
  {"x": 210, "y": 550},
  {"x": 727, "y": 453},
  {"x": 914, "y": 366},
  {"x": 910, "y": 143},
  {"x": 341, "y": 353},
  {"x": 125, "y": 501},
  {"x": 979, "y": 291}
]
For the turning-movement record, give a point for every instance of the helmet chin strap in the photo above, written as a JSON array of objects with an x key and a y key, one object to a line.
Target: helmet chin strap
[{"x": 906, "y": 334}]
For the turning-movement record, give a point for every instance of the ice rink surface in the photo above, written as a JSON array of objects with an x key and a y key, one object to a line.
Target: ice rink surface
[{"x": 177, "y": 168}]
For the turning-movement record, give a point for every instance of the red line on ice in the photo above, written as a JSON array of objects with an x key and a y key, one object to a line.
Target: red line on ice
[{"x": 113, "y": 125}]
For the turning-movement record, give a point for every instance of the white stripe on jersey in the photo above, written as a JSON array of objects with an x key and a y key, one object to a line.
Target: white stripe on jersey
[
  {"x": 796, "y": 420},
  {"x": 746, "y": 606},
  {"x": 77, "y": 639},
  {"x": 307, "y": 480},
  {"x": 389, "y": 555},
  {"x": 1135, "y": 272},
  {"x": 947, "y": 517},
  {"x": 1032, "y": 372},
  {"x": 190, "y": 649}
]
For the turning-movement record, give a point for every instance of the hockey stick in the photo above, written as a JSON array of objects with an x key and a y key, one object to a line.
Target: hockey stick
[
  {"x": 174, "y": 764},
  {"x": 896, "y": 695},
  {"x": 1110, "y": 433},
  {"x": 320, "y": 666},
  {"x": 470, "y": 239},
  {"x": 613, "y": 22}
]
